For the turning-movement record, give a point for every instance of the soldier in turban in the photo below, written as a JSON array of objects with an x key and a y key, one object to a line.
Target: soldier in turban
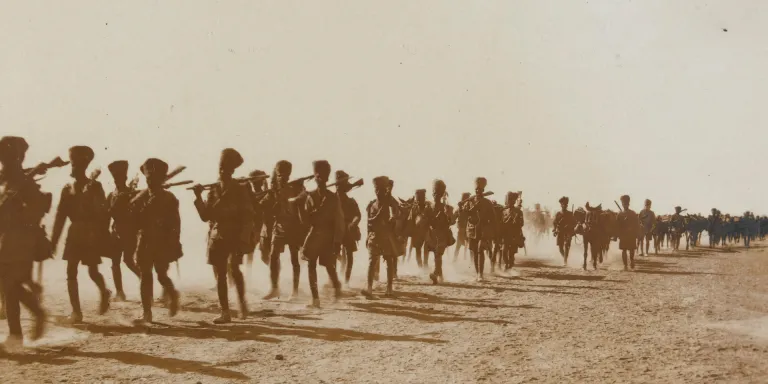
[
  {"x": 480, "y": 226},
  {"x": 677, "y": 226},
  {"x": 628, "y": 225},
  {"x": 83, "y": 202},
  {"x": 23, "y": 206},
  {"x": 381, "y": 242},
  {"x": 647, "y": 219},
  {"x": 418, "y": 225},
  {"x": 512, "y": 222},
  {"x": 257, "y": 186},
  {"x": 439, "y": 217},
  {"x": 229, "y": 212},
  {"x": 461, "y": 222},
  {"x": 159, "y": 231},
  {"x": 564, "y": 228},
  {"x": 352, "y": 217},
  {"x": 123, "y": 231}
]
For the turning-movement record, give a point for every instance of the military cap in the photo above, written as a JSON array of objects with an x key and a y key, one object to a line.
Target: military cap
[
  {"x": 465, "y": 195},
  {"x": 382, "y": 182},
  {"x": 81, "y": 154},
  {"x": 342, "y": 177},
  {"x": 625, "y": 198},
  {"x": 257, "y": 172},
  {"x": 421, "y": 192},
  {"x": 563, "y": 199},
  {"x": 321, "y": 167},
  {"x": 154, "y": 166},
  {"x": 118, "y": 168},
  {"x": 13, "y": 146},
  {"x": 438, "y": 186},
  {"x": 481, "y": 182},
  {"x": 284, "y": 167},
  {"x": 647, "y": 201},
  {"x": 230, "y": 158},
  {"x": 678, "y": 209}
]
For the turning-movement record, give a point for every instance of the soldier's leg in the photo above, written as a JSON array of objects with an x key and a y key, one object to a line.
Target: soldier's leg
[
  {"x": 11, "y": 287},
  {"x": 391, "y": 265},
  {"x": 373, "y": 262},
  {"x": 587, "y": 245},
  {"x": 624, "y": 258},
  {"x": 568, "y": 240},
  {"x": 274, "y": 269},
  {"x": 146, "y": 288},
  {"x": 312, "y": 275},
  {"x": 350, "y": 260},
  {"x": 330, "y": 268},
  {"x": 296, "y": 268},
  {"x": 222, "y": 289},
  {"x": 632, "y": 258},
  {"x": 30, "y": 298},
  {"x": 237, "y": 279},
  {"x": 2, "y": 300},
  {"x": 98, "y": 279},
  {"x": 73, "y": 290},
  {"x": 117, "y": 277},
  {"x": 128, "y": 253},
  {"x": 167, "y": 284}
]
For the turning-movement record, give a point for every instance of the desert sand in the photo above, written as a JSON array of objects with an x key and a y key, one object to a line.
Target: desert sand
[{"x": 695, "y": 316}]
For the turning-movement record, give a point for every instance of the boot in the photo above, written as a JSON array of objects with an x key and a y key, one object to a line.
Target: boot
[
  {"x": 173, "y": 303},
  {"x": 104, "y": 303},
  {"x": 74, "y": 300},
  {"x": 39, "y": 329}
]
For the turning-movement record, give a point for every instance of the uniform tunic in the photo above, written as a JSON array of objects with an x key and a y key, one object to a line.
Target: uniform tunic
[
  {"x": 85, "y": 205},
  {"x": 124, "y": 226},
  {"x": 281, "y": 220},
  {"x": 564, "y": 225},
  {"x": 22, "y": 240},
  {"x": 381, "y": 239},
  {"x": 628, "y": 226},
  {"x": 322, "y": 214},
  {"x": 159, "y": 228},
  {"x": 512, "y": 223},
  {"x": 229, "y": 211},
  {"x": 480, "y": 221},
  {"x": 439, "y": 219},
  {"x": 351, "y": 211}
]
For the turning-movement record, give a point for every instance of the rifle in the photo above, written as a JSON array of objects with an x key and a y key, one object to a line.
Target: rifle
[
  {"x": 299, "y": 181},
  {"x": 358, "y": 183},
  {"x": 39, "y": 169},
  {"x": 240, "y": 180},
  {"x": 618, "y": 206},
  {"x": 485, "y": 194}
]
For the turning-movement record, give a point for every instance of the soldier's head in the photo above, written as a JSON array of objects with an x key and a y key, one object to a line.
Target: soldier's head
[
  {"x": 420, "y": 195},
  {"x": 480, "y": 184},
  {"x": 678, "y": 209},
  {"x": 511, "y": 199},
  {"x": 229, "y": 161},
  {"x": 625, "y": 202},
  {"x": 537, "y": 207},
  {"x": 322, "y": 171},
  {"x": 119, "y": 171},
  {"x": 258, "y": 184},
  {"x": 80, "y": 157},
  {"x": 13, "y": 149},
  {"x": 564, "y": 203},
  {"x": 382, "y": 186},
  {"x": 438, "y": 190},
  {"x": 155, "y": 171},
  {"x": 282, "y": 172},
  {"x": 648, "y": 203},
  {"x": 465, "y": 195},
  {"x": 714, "y": 211},
  {"x": 342, "y": 181}
]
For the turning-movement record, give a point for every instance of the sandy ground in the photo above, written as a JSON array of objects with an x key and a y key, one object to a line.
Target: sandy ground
[{"x": 697, "y": 316}]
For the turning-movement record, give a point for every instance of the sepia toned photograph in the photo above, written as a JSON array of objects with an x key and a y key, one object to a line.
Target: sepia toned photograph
[{"x": 371, "y": 191}]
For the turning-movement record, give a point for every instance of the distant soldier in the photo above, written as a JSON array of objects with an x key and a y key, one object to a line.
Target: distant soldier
[
  {"x": 497, "y": 255},
  {"x": 745, "y": 225},
  {"x": 321, "y": 212},
  {"x": 381, "y": 242},
  {"x": 229, "y": 210},
  {"x": 439, "y": 237},
  {"x": 257, "y": 186},
  {"x": 282, "y": 227},
  {"x": 159, "y": 232},
  {"x": 647, "y": 220},
  {"x": 480, "y": 226},
  {"x": 84, "y": 203},
  {"x": 511, "y": 228},
  {"x": 677, "y": 227},
  {"x": 461, "y": 221},
  {"x": 352, "y": 217},
  {"x": 628, "y": 225},
  {"x": 400, "y": 227},
  {"x": 123, "y": 231},
  {"x": 564, "y": 228},
  {"x": 418, "y": 225},
  {"x": 22, "y": 207}
]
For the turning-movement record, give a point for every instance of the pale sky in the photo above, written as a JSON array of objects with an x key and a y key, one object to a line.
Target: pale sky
[{"x": 590, "y": 99}]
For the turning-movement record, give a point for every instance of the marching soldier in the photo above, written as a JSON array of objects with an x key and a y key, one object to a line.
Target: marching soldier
[
  {"x": 352, "y": 217},
  {"x": 22, "y": 206},
  {"x": 381, "y": 242},
  {"x": 123, "y": 232},
  {"x": 322, "y": 214},
  {"x": 461, "y": 220},
  {"x": 439, "y": 219},
  {"x": 399, "y": 227},
  {"x": 677, "y": 225},
  {"x": 564, "y": 228},
  {"x": 418, "y": 225},
  {"x": 257, "y": 186},
  {"x": 512, "y": 222},
  {"x": 628, "y": 225},
  {"x": 647, "y": 220},
  {"x": 159, "y": 230},
  {"x": 84, "y": 203},
  {"x": 480, "y": 226},
  {"x": 229, "y": 211},
  {"x": 281, "y": 226}
]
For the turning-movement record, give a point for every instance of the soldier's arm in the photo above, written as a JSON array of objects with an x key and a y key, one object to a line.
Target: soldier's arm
[
  {"x": 204, "y": 207},
  {"x": 245, "y": 211},
  {"x": 175, "y": 219},
  {"x": 61, "y": 217},
  {"x": 340, "y": 223},
  {"x": 356, "y": 215}
]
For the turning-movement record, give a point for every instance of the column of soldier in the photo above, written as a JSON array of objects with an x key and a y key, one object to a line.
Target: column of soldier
[{"x": 270, "y": 212}]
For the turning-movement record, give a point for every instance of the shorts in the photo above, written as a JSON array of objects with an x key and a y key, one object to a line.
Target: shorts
[
  {"x": 627, "y": 243},
  {"x": 562, "y": 239},
  {"x": 476, "y": 245}
]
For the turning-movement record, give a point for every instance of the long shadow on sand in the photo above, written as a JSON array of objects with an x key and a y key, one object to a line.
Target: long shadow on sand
[
  {"x": 427, "y": 315},
  {"x": 662, "y": 268},
  {"x": 486, "y": 286},
  {"x": 427, "y": 299},
  {"x": 214, "y": 309}
]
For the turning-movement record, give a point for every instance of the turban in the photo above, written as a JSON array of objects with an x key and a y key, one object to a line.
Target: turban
[
  {"x": 678, "y": 209},
  {"x": 322, "y": 168},
  {"x": 512, "y": 197},
  {"x": 342, "y": 177},
  {"x": 154, "y": 166},
  {"x": 81, "y": 155},
  {"x": 625, "y": 199},
  {"x": 421, "y": 192},
  {"x": 257, "y": 172},
  {"x": 230, "y": 159},
  {"x": 118, "y": 168},
  {"x": 284, "y": 167},
  {"x": 438, "y": 186},
  {"x": 564, "y": 200},
  {"x": 647, "y": 201},
  {"x": 481, "y": 182},
  {"x": 13, "y": 146},
  {"x": 465, "y": 196},
  {"x": 381, "y": 182}
]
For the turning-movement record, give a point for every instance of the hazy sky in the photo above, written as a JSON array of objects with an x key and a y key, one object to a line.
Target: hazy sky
[{"x": 591, "y": 99}]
